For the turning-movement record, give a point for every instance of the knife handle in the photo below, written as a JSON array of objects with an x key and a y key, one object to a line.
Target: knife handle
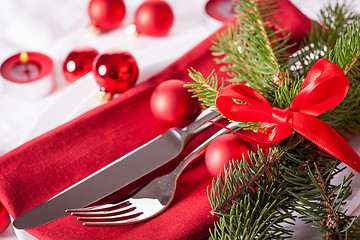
[{"x": 200, "y": 123}]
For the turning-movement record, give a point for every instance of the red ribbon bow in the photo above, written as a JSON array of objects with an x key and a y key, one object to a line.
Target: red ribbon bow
[{"x": 324, "y": 87}]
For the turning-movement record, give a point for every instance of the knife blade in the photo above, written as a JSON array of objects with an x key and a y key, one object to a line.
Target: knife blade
[{"x": 117, "y": 174}]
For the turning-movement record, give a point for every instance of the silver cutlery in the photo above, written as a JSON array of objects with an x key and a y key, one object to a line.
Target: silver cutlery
[
  {"x": 148, "y": 202},
  {"x": 118, "y": 174}
]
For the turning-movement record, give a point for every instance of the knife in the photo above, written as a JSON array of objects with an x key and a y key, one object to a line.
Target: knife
[{"x": 117, "y": 174}]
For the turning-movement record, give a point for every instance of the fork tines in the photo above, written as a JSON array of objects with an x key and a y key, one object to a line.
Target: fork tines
[{"x": 109, "y": 214}]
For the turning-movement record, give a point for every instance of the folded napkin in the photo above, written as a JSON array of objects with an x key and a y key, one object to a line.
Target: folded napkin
[{"x": 46, "y": 165}]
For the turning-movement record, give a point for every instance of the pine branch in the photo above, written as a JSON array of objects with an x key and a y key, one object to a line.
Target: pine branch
[
  {"x": 252, "y": 220},
  {"x": 250, "y": 49},
  {"x": 345, "y": 118},
  {"x": 264, "y": 34},
  {"x": 221, "y": 196},
  {"x": 317, "y": 200},
  {"x": 253, "y": 201},
  {"x": 285, "y": 93},
  {"x": 346, "y": 49},
  {"x": 256, "y": 58},
  {"x": 320, "y": 203},
  {"x": 204, "y": 89},
  {"x": 338, "y": 40},
  {"x": 334, "y": 21},
  {"x": 334, "y": 223}
]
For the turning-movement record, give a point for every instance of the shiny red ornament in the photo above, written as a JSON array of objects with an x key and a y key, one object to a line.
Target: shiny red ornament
[
  {"x": 173, "y": 103},
  {"x": 115, "y": 71},
  {"x": 154, "y": 18},
  {"x": 106, "y": 14},
  {"x": 78, "y": 63},
  {"x": 223, "y": 149},
  {"x": 4, "y": 219}
]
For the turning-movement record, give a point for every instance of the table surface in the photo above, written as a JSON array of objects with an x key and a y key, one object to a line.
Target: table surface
[{"x": 56, "y": 27}]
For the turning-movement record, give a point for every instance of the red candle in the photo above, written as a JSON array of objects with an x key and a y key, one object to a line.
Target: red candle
[
  {"x": 28, "y": 74},
  {"x": 25, "y": 70}
]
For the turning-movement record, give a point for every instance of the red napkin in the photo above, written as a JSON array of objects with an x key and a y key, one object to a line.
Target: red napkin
[{"x": 42, "y": 167}]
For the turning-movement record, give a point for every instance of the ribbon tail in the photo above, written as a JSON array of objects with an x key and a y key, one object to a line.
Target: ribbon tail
[
  {"x": 247, "y": 135},
  {"x": 326, "y": 138}
]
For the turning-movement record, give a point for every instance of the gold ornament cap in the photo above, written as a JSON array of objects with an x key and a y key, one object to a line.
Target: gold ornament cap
[{"x": 103, "y": 96}]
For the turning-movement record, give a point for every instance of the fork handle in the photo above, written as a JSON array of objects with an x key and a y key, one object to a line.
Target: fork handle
[{"x": 200, "y": 149}]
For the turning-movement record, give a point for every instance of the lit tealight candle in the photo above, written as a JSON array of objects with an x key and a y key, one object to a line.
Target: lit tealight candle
[
  {"x": 28, "y": 74},
  {"x": 25, "y": 70}
]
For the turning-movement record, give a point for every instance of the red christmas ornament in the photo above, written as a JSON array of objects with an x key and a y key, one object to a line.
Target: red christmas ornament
[
  {"x": 223, "y": 149},
  {"x": 172, "y": 102},
  {"x": 106, "y": 14},
  {"x": 154, "y": 18},
  {"x": 4, "y": 219},
  {"x": 78, "y": 63},
  {"x": 115, "y": 71}
]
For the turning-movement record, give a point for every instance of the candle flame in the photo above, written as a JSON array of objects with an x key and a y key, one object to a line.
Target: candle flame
[{"x": 24, "y": 57}]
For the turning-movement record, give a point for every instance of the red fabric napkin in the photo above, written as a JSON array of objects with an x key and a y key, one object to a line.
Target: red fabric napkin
[{"x": 42, "y": 167}]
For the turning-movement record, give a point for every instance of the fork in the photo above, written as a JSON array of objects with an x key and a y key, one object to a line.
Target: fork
[{"x": 151, "y": 200}]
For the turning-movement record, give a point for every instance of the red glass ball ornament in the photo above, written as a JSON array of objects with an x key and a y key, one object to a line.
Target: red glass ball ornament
[
  {"x": 106, "y": 14},
  {"x": 4, "y": 219},
  {"x": 154, "y": 18},
  {"x": 223, "y": 149},
  {"x": 115, "y": 71},
  {"x": 78, "y": 63},
  {"x": 172, "y": 102}
]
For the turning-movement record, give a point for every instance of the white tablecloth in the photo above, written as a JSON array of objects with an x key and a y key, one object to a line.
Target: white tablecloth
[{"x": 56, "y": 27}]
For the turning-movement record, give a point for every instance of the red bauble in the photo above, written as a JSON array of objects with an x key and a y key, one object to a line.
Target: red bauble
[
  {"x": 106, "y": 14},
  {"x": 115, "y": 71},
  {"x": 78, "y": 63},
  {"x": 4, "y": 219},
  {"x": 154, "y": 18},
  {"x": 223, "y": 149},
  {"x": 172, "y": 102}
]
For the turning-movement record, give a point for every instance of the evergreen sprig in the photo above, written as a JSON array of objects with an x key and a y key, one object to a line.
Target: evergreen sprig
[
  {"x": 345, "y": 117},
  {"x": 322, "y": 208},
  {"x": 248, "y": 213},
  {"x": 205, "y": 89},
  {"x": 247, "y": 200},
  {"x": 316, "y": 198},
  {"x": 334, "y": 21},
  {"x": 251, "y": 50},
  {"x": 256, "y": 199}
]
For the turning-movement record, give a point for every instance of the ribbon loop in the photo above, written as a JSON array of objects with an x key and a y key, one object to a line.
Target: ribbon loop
[
  {"x": 254, "y": 107},
  {"x": 324, "y": 87}
]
